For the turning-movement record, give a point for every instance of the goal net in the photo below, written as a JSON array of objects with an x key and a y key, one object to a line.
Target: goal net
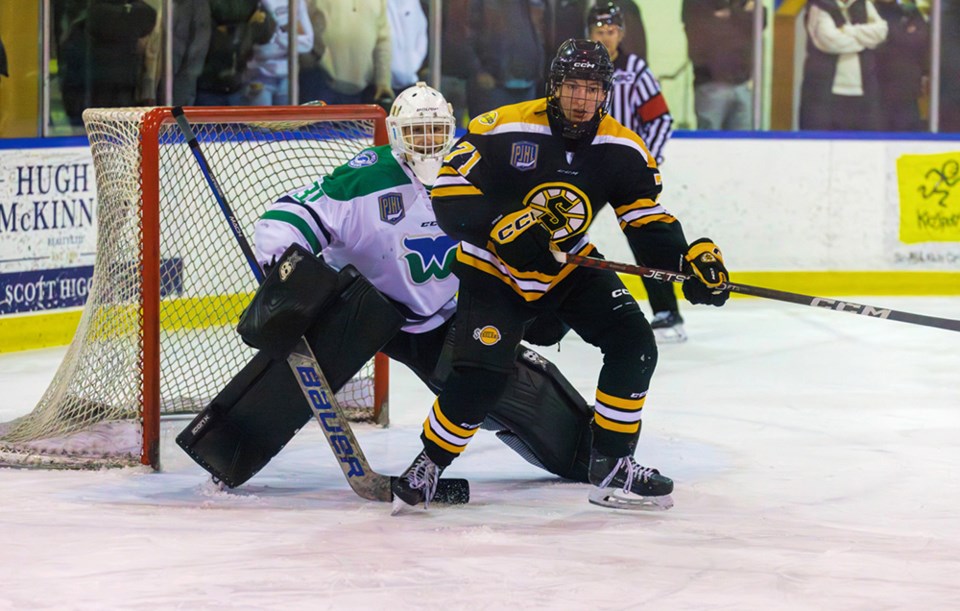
[{"x": 157, "y": 334}]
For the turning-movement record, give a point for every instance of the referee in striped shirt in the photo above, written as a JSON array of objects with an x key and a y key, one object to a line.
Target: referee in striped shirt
[{"x": 636, "y": 101}]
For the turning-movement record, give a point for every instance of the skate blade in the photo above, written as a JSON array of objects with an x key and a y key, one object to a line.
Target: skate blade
[
  {"x": 400, "y": 507},
  {"x": 616, "y": 498},
  {"x": 670, "y": 335}
]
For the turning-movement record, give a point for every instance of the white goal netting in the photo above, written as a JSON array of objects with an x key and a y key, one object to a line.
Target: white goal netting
[{"x": 157, "y": 333}]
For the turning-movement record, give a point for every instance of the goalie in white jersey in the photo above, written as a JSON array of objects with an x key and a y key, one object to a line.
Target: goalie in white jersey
[{"x": 375, "y": 213}]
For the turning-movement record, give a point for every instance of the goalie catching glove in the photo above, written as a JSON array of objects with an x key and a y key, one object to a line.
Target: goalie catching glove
[
  {"x": 704, "y": 263},
  {"x": 523, "y": 243}
]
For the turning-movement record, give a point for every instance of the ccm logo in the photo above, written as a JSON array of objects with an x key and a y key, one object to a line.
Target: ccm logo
[
  {"x": 511, "y": 230},
  {"x": 584, "y": 65},
  {"x": 620, "y": 293}
]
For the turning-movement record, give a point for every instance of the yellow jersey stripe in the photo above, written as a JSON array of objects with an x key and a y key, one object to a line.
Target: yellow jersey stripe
[
  {"x": 637, "y": 205},
  {"x": 454, "y": 191},
  {"x": 646, "y": 220},
  {"x": 528, "y": 294}
]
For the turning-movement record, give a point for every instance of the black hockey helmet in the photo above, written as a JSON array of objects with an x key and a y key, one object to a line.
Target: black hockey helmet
[
  {"x": 578, "y": 59},
  {"x": 605, "y": 13}
]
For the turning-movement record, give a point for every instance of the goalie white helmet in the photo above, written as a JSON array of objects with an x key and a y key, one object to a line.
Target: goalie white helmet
[{"x": 421, "y": 128}]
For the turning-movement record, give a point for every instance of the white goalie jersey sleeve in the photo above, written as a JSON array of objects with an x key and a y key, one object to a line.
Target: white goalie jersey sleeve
[{"x": 372, "y": 214}]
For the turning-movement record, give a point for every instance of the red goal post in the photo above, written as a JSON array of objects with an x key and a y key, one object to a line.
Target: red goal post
[{"x": 157, "y": 333}]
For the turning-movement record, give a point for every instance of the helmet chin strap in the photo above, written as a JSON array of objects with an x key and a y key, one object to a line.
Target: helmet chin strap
[{"x": 425, "y": 169}]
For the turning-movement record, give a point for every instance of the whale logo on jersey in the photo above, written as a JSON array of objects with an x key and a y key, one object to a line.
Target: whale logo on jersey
[
  {"x": 391, "y": 208},
  {"x": 564, "y": 209},
  {"x": 430, "y": 257}
]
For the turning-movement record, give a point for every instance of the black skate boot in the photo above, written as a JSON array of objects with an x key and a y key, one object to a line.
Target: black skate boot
[
  {"x": 623, "y": 484},
  {"x": 418, "y": 484},
  {"x": 668, "y": 327}
]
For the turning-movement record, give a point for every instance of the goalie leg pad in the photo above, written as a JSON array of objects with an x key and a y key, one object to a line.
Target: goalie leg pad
[
  {"x": 262, "y": 407},
  {"x": 542, "y": 411}
]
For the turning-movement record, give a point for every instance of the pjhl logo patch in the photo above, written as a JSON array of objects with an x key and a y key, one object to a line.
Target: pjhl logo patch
[{"x": 487, "y": 336}]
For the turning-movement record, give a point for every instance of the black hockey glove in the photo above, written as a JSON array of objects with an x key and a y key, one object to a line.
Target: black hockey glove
[
  {"x": 523, "y": 243},
  {"x": 704, "y": 262}
]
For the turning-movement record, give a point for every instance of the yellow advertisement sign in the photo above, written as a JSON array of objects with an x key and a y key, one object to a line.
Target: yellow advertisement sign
[{"x": 929, "y": 197}]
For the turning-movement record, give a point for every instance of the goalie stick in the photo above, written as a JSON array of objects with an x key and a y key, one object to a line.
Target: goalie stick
[
  {"x": 366, "y": 482},
  {"x": 757, "y": 291}
]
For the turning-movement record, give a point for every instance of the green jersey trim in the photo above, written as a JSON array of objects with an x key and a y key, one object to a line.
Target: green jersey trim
[{"x": 301, "y": 225}]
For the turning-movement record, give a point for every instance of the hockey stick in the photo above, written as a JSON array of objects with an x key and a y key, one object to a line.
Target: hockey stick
[
  {"x": 366, "y": 482},
  {"x": 757, "y": 291}
]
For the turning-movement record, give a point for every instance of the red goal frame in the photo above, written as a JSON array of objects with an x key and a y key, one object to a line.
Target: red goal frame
[{"x": 150, "y": 129}]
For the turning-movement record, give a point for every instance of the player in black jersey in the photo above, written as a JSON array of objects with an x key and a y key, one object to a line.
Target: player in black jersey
[{"x": 528, "y": 178}]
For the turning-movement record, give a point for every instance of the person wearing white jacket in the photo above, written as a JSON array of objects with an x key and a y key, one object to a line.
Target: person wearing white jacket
[
  {"x": 408, "y": 34},
  {"x": 841, "y": 90},
  {"x": 268, "y": 73}
]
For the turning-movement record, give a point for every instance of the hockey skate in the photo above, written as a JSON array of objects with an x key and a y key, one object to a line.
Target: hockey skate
[
  {"x": 668, "y": 327},
  {"x": 418, "y": 484},
  {"x": 621, "y": 483}
]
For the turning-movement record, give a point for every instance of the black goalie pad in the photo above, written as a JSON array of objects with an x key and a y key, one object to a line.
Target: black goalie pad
[
  {"x": 263, "y": 407},
  {"x": 543, "y": 418}
]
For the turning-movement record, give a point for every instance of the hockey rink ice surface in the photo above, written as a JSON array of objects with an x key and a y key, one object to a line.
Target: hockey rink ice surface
[{"x": 816, "y": 457}]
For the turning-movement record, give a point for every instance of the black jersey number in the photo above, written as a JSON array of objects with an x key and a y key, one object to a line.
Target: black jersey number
[{"x": 463, "y": 166}]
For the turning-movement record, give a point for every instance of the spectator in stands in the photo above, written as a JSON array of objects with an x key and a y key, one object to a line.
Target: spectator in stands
[
  {"x": 268, "y": 73},
  {"x": 98, "y": 52},
  {"x": 903, "y": 65},
  {"x": 505, "y": 53},
  {"x": 408, "y": 33},
  {"x": 840, "y": 88},
  {"x": 720, "y": 45},
  {"x": 238, "y": 25},
  {"x": 191, "y": 40},
  {"x": 351, "y": 56},
  {"x": 950, "y": 67},
  {"x": 454, "y": 56}
]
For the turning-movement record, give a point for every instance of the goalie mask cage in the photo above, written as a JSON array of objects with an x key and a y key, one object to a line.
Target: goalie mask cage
[{"x": 157, "y": 334}]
